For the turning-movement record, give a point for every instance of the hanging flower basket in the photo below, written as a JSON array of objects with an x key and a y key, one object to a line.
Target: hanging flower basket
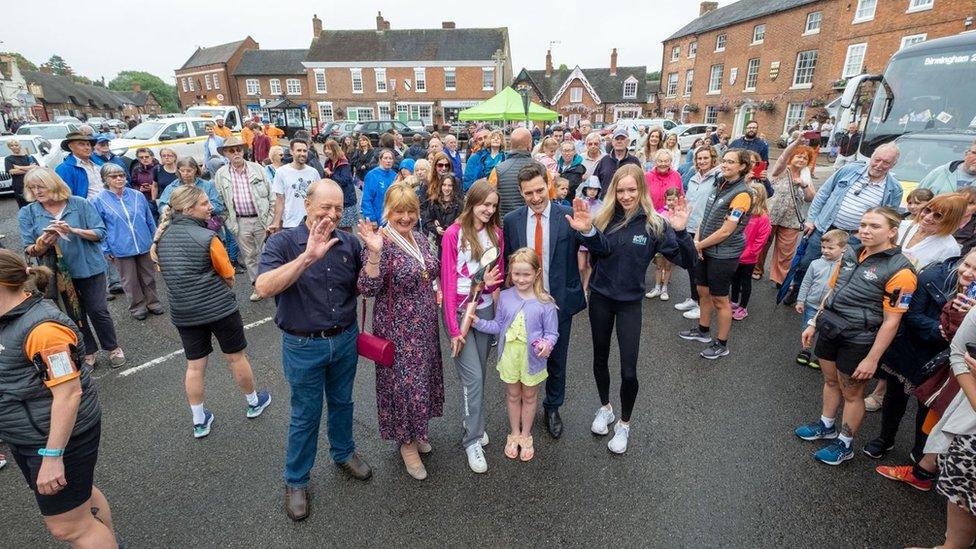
[
  {"x": 839, "y": 84},
  {"x": 724, "y": 107},
  {"x": 766, "y": 106},
  {"x": 692, "y": 107}
]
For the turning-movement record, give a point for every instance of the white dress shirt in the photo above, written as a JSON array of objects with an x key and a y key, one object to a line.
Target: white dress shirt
[{"x": 530, "y": 239}]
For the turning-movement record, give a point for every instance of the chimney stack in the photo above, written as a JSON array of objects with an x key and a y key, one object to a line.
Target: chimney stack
[
  {"x": 706, "y": 7},
  {"x": 447, "y": 25},
  {"x": 549, "y": 62},
  {"x": 316, "y": 26},
  {"x": 613, "y": 62},
  {"x": 136, "y": 87},
  {"x": 381, "y": 24}
]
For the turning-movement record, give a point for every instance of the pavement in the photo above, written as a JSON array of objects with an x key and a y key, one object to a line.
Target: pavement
[{"x": 713, "y": 461}]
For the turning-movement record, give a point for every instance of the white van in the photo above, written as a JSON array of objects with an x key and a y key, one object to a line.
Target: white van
[
  {"x": 231, "y": 116},
  {"x": 184, "y": 135}
]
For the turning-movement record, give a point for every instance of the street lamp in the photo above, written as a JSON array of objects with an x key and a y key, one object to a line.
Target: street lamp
[{"x": 524, "y": 92}]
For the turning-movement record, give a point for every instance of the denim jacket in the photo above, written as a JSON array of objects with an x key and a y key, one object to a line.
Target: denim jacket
[
  {"x": 826, "y": 203},
  {"x": 83, "y": 257}
]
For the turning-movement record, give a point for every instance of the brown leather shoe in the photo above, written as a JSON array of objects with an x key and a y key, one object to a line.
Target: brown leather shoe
[
  {"x": 296, "y": 503},
  {"x": 357, "y": 468}
]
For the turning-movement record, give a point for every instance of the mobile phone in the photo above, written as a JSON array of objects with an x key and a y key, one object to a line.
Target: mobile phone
[
  {"x": 971, "y": 349},
  {"x": 758, "y": 169},
  {"x": 971, "y": 290}
]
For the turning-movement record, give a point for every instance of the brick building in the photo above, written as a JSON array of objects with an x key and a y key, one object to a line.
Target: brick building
[
  {"x": 61, "y": 96},
  {"x": 600, "y": 95},
  {"x": 425, "y": 74},
  {"x": 781, "y": 61},
  {"x": 264, "y": 76},
  {"x": 207, "y": 76}
]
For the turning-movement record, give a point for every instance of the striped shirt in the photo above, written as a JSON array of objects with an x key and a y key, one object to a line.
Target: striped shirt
[
  {"x": 861, "y": 197},
  {"x": 243, "y": 203}
]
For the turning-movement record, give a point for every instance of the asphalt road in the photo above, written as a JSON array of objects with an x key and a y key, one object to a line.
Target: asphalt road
[{"x": 712, "y": 460}]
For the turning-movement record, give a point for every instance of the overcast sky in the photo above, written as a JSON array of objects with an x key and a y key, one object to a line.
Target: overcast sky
[{"x": 104, "y": 37}]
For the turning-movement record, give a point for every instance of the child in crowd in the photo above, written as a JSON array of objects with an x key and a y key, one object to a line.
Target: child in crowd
[
  {"x": 591, "y": 194},
  {"x": 526, "y": 324},
  {"x": 813, "y": 288},
  {"x": 442, "y": 207},
  {"x": 756, "y": 234},
  {"x": 662, "y": 267},
  {"x": 547, "y": 157},
  {"x": 562, "y": 191},
  {"x": 916, "y": 200}
]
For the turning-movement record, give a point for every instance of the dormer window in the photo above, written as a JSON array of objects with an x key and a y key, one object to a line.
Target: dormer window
[{"x": 630, "y": 88}]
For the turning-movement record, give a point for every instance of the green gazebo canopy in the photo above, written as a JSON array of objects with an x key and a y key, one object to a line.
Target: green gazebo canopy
[{"x": 507, "y": 105}]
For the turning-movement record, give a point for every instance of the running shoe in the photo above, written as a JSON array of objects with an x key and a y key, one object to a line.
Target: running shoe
[
  {"x": 602, "y": 421},
  {"x": 618, "y": 444},
  {"x": 834, "y": 454},
  {"x": 816, "y": 431},
  {"x": 653, "y": 293},
  {"x": 692, "y": 314},
  {"x": 906, "y": 474},
  {"x": 695, "y": 334},
  {"x": 873, "y": 403},
  {"x": 264, "y": 399},
  {"x": 803, "y": 357},
  {"x": 664, "y": 294},
  {"x": 686, "y": 305},
  {"x": 715, "y": 351},
  {"x": 740, "y": 313},
  {"x": 877, "y": 448},
  {"x": 201, "y": 430}
]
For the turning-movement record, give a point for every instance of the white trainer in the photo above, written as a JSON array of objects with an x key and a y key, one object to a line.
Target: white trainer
[
  {"x": 602, "y": 421},
  {"x": 693, "y": 314},
  {"x": 618, "y": 444},
  {"x": 653, "y": 293},
  {"x": 476, "y": 458},
  {"x": 484, "y": 439},
  {"x": 686, "y": 305},
  {"x": 664, "y": 295}
]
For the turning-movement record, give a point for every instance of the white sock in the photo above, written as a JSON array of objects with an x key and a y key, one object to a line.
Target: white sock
[
  {"x": 664, "y": 288},
  {"x": 252, "y": 398},
  {"x": 846, "y": 440},
  {"x": 827, "y": 421},
  {"x": 198, "y": 415}
]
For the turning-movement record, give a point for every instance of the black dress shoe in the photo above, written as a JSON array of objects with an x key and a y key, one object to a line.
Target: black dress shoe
[
  {"x": 296, "y": 503},
  {"x": 357, "y": 468},
  {"x": 554, "y": 423}
]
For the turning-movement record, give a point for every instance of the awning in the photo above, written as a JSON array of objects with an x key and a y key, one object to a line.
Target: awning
[{"x": 506, "y": 105}]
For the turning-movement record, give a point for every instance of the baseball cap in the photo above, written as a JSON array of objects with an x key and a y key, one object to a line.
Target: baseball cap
[
  {"x": 620, "y": 132},
  {"x": 103, "y": 138}
]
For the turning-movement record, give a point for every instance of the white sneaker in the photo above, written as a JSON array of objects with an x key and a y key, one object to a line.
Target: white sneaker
[
  {"x": 484, "y": 439},
  {"x": 602, "y": 421},
  {"x": 686, "y": 305},
  {"x": 618, "y": 444},
  {"x": 664, "y": 295},
  {"x": 692, "y": 314},
  {"x": 476, "y": 458},
  {"x": 653, "y": 293}
]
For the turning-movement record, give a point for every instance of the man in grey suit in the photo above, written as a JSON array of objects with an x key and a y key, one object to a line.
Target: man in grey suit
[{"x": 541, "y": 225}]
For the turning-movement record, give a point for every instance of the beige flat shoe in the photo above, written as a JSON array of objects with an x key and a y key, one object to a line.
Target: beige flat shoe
[
  {"x": 424, "y": 447},
  {"x": 411, "y": 460}
]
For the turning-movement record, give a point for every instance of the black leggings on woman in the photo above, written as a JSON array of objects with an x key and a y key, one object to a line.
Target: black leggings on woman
[
  {"x": 604, "y": 312},
  {"x": 742, "y": 284}
]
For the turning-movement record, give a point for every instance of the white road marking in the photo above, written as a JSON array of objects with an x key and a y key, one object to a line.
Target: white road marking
[{"x": 164, "y": 358}]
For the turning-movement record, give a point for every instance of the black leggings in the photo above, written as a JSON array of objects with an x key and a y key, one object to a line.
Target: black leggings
[
  {"x": 742, "y": 284},
  {"x": 604, "y": 312},
  {"x": 893, "y": 410}
]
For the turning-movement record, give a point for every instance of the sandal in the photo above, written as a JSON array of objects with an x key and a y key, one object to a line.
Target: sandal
[
  {"x": 512, "y": 446},
  {"x": 528, "y": 452}
]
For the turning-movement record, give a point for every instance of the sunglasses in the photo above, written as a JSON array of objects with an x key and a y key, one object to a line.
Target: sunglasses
[
  {"x": 929, "y": 211},
  {"x": 233, "y": 149},
  {"x": 143, "y": 157},
  {"x": 442, "y": 165}
]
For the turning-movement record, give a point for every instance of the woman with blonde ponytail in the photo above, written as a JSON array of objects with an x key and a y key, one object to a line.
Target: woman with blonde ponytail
[
  {"x": 49, "y": 412},
  {"x": 199, "y": 276}
]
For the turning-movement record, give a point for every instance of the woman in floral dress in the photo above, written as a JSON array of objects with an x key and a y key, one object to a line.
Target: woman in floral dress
[{"x": 399, "y": 271}]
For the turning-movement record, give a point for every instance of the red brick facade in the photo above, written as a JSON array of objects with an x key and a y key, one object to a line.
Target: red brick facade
[
  {"x": 212, "y": 83},
  {"x": 782, "y": 95}
]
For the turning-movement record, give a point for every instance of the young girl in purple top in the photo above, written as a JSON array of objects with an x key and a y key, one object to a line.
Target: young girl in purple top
[{"x": 526, "y": 320}]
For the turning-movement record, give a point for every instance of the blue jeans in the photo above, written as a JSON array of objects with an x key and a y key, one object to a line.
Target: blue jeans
[
  {"x": 809, "y": 311},
  {"x": 314, "y": 366},
  {"x": 230, "y": 242}
]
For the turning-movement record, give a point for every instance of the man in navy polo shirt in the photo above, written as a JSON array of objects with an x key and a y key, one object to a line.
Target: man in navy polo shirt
[{"x": 311, "y": 271}]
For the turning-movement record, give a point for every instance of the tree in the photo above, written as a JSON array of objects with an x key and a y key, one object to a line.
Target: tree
[
  {"x": 58, "y": 66},
  {"x": 164, "y": 93},
  {"x": 563, "y": 67},
  {"x": 652, "y": 76},
  {"x": 22, "y": 62}
]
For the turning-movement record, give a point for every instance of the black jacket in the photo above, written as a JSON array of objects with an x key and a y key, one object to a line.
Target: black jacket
[
  {"x": 573, "y": 174},
  {"x": 847, "y": 144},
  {"x": 620, "y": 256},
  {"x": 360, "y": 161}
]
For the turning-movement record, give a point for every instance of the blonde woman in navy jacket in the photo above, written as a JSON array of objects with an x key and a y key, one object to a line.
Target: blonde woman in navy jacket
[{"x": 623, "y": 238}]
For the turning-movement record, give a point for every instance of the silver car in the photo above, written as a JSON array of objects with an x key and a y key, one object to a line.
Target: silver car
[
  {"x": 689, "y": 133},
  {"x": 38, "y": 146}
]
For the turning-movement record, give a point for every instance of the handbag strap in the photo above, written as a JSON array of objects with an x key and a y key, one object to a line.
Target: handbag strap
[
  {"x": 389, "y": 302},
  {"x": 792, "y": 192}
]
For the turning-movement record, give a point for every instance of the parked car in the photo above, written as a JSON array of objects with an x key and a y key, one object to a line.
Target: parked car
[
  {"x": 633, "y": 126},
  {"x": 68, "y": 119},
  {"x": 41, "y": 148},
  {"x": 184, "y": 135},
  {"x": 689, "y": 133},
  {"x": 375, "y": 128},
  {"x": 337, "y": 130},
  {"x": 115, "y": 123},
  {"x": 52, "y": 132},
  {"x": 416, "y": 124},
  {"x": 96, "y": 121}
]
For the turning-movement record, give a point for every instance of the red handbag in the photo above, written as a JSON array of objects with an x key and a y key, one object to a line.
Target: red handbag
[{"x": 373, "y": 347}]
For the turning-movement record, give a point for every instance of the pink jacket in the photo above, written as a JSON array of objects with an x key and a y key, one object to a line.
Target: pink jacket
[
  {"x": 450, "y": 275},
  {"x": 757, "y": 233},
  {"x": 657, "y": 184}
]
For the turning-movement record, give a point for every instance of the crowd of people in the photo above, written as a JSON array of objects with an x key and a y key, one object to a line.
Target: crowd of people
[{"x": 501, "y": 246}]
